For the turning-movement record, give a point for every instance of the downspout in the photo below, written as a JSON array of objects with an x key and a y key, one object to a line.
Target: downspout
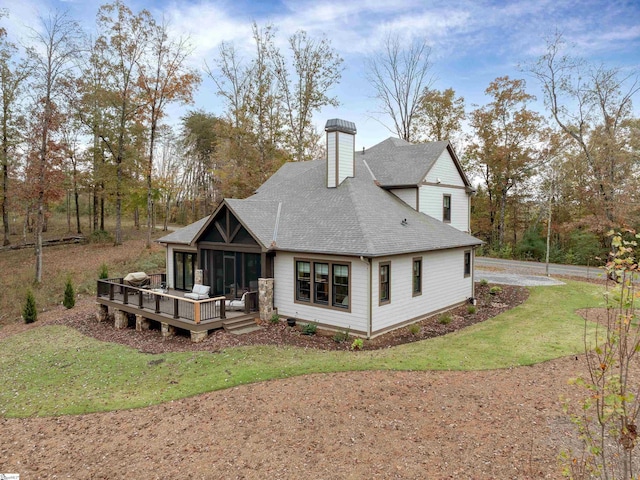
[{"x": 369, "y": 290}]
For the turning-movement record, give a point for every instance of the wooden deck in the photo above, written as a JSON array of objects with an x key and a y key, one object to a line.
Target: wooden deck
[{"x": 171, "y": 307}]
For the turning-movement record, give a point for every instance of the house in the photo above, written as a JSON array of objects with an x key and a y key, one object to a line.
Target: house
[{"x": 366, "y": 241}]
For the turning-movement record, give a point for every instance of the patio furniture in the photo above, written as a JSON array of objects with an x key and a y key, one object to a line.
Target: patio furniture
[
  {"x": 236, "y": 304},
  {"x": 198, "y": 292}
]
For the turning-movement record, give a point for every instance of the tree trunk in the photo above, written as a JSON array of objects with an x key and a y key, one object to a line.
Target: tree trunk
[
  {"x": 501, "y": 217},
  {"x": 5, "y": 186}
]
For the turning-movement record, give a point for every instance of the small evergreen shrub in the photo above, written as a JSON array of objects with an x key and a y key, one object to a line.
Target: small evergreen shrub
[
  {"x": 69, "y": 295},
  {"x": 445, "y": 319},
  {"x": 29, "y": 312},
  {"x": 357, "y": 344},
  {"x": 471, "y": 309},
  {"x": 484, "y": 282},
  {"x": 275, "y": 318},
  {"x": 309, "y": 329},
  {"x": 414, "y": 329},
  {"x": 495, "y": 290},
  {"x": 103, "y": 272},
  {"x": 340, "y": 337}
]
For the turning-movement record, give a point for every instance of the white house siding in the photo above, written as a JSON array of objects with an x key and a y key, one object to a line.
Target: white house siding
[
  {"x": 430, "y": 202},
  {"x": 407, "y": 195},
  {"x": 444, "y": 179},
  {"x": 443, "y": 285},
  {"x": 445, "y": 170},
  {"x": 345, "y": 156},
  {"x": 284, "y": 293},
  {"x": 331, "y": 160},
  {"x": 170, "y": 266}
]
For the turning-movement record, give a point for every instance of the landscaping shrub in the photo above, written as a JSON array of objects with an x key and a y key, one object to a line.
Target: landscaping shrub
[
  {"x": 69, "y": 295},
  {"x": 340, "y": 337},
  {"x": 275, "y": 318},
  {"x": 445, "y": 319},
  {"x": 471, "y": 309},
  {"x": 309, "y": 329},
  {"x": 357, "y": 344},
  {"x": 484, "y": 282},
  {"x": 495, "y": 290},
  {"x": 414, "y": 329},
  {"x": 29, "y": 312}
]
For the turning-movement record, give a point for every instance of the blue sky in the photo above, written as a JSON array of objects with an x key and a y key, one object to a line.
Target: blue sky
[{"x": 472, "y": 41}]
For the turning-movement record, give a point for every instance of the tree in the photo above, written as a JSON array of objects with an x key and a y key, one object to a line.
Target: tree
[
  {"x": 439, "y": 115},
  {"x": 503, "y": 148},
  {"x": 52, "y": 59},
  {"x": 316, "y": 68},
  {"x": 164, "y": 78},
  {"x": 12, "y": 79},
  {"x": 125, "y": 38},
  {"x": 69, "y": 299},
  {"x": 29, "y": 311},
  {"x": 399, "y": 77},
  {"x": 199, "y": 141},
  {"x": 607, "y": 415},
  {"x": 592, "y": 106}
]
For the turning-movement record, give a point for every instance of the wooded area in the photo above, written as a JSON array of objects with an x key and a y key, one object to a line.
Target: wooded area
[{"x": 85, "y": 129}]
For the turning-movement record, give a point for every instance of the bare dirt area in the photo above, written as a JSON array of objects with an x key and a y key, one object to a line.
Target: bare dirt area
[{"x": 503, "y": 424}]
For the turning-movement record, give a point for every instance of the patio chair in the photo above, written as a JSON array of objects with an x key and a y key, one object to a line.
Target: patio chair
[
  {"x": 198, "y": 292},
  {"x": 236, "y": 304}
]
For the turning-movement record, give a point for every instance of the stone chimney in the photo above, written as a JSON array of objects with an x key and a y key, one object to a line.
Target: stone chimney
[{"x": 341, "y": 147}]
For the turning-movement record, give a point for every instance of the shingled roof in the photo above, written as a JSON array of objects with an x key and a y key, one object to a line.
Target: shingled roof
[
  {"x": 395, "y": 162},
  {"x": 185, "y": 235},
  {"x": 295, "y": 211}
]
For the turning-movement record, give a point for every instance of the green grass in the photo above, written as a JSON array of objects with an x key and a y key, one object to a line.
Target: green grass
[{"x": 55, "y": 370}]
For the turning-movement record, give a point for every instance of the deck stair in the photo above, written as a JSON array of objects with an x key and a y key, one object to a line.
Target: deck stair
[{"x": 239, "y": 325}]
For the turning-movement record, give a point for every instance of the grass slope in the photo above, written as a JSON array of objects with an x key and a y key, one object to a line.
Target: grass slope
[{"x": 54, "y": 370}]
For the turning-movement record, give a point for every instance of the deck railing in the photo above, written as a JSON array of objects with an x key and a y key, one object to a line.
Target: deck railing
[{"x": 152, "y": 298}]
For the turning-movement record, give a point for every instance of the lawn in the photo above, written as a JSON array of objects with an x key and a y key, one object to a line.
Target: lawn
[{"x": 54, "y": 370}]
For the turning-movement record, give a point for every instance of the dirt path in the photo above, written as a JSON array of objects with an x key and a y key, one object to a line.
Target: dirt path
[{"x": 483, "y": 425}]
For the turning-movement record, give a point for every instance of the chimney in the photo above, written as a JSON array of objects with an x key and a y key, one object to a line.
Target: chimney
[{"x": 341, "y": 147}]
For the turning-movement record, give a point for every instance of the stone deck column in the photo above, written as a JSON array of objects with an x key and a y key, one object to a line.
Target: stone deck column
[
  {"x": 265, "y": 298},
  {"x": 167, "y": 330},
  {"x": 102, "y": 315},
  {"x": 142, "y": 323},
  {"x": 197, "y": 337},
  {"x": 122, "y": 320}
]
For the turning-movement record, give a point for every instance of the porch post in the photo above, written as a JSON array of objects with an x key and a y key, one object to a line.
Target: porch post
[{"x": 265, "y": 298}]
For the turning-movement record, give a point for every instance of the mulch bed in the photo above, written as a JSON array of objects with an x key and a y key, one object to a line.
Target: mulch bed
[{"x": 82, "y": 318}]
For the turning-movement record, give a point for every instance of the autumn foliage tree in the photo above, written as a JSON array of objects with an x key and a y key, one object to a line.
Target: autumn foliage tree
[
  {"x": 56, "y": 45},
  {"x": 164, "y": 79},
  {"x": 503, "y": 151},
  {"x": 592, "y": 106}
]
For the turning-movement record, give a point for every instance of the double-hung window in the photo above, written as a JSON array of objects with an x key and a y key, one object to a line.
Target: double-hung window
[
  {"x": 340, "y": 289},
  {"x": 385, "y": 283},
  {"x": 446, "y": 208},
  {"x": 321, "y": 283},
  {"x": 467, "y": 263},
  {"x": 417, "y": 276},
  {"x": 303, "y": 281}
]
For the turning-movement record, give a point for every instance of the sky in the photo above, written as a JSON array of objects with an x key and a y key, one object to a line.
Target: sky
[{"x": 472, "y": 41}]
